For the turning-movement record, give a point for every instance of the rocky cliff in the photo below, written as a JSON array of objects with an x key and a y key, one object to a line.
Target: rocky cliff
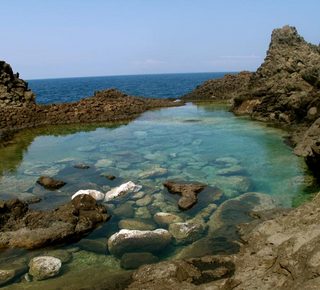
[
  {"x": 286, "y": 85},
  {"x": 14, "y": 91}
]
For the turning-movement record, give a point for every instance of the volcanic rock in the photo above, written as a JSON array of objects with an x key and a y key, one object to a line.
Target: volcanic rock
[
  {"x": 30, "y": 229},
  {"x": 188, "y": 192}
]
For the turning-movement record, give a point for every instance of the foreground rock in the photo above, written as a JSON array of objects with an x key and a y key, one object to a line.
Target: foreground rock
[
  {"x": 182, "y": 274},
  {"x": 50, "y": 183},
  {"x": 279, "y": 251},
  {"x": 44, "y": 267},
  {"x": 188, "y": 192},
  {"x": 30, "y": 229},
  {"x": 138, "y": 241}
]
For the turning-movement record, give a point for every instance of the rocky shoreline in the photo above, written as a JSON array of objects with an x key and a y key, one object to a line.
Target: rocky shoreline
[
  {"x": 19, "y": 112},
  {"x": 284, "y": 91},
  {"x": 278, "y": 249}
]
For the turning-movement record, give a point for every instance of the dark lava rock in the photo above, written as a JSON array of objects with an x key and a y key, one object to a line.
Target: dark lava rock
[
  {"x": 188, "y": 192},
  {"x": 135, "y": 260},
  {"x": 30, "y": 229},
  {"x": 50, "y": 183}
]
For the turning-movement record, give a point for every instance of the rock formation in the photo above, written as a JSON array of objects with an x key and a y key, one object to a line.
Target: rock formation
[
  {"x": 13, "y": 90},
  {"x": 286, "y": 85},
  {"x": 105, "y": 106},
  {"x": 21, "y": 227},
  {"x": 220, "y": 89},
  {"x": 188, "y": 192},
  {"x": 284, "y": 90}
]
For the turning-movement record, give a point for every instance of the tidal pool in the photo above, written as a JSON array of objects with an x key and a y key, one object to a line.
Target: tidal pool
[{"x": 203, "y": 143}]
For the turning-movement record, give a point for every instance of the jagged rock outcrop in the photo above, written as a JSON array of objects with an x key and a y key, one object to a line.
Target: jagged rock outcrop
[
  {"x": 286, "y": 86},
  {"x": 13, "y": 90},
  {"x": 220, "y": 89}
]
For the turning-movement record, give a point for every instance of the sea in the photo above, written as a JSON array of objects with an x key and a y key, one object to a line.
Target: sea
[{"x": 63, "y": 90}]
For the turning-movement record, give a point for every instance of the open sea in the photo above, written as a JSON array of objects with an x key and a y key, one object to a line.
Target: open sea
[{"x": 156, "y": 86}]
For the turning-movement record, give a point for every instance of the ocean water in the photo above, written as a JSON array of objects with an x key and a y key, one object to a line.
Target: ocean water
[
  {"x": 203, "y": 143},
  {"x": 156, "y": 86}
]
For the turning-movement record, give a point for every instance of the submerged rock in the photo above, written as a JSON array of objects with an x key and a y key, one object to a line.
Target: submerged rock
[
  {"x": 81, "y": 166},
  {"x": 188, "y": 192},
  {"x": 50, "y": 183},
  {"x": 122, "y": 190},
  {"x": 234, "y": 211},
  {"x": 97, "y": 195},
  {"x": 126, "y": 241},
  {"x": 135, "y": 260},
  {"x": 44, "y": 267},
  {"x": 30, "y": 229},
  {"x": 165, "y": 219},
  {"x": 146, "y": 200},
  {"x": 187, "y": 232},
  {"x": 136, "y": 224}
]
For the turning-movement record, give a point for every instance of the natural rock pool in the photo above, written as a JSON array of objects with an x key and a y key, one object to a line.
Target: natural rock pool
[{"x": 204, "y": 143}]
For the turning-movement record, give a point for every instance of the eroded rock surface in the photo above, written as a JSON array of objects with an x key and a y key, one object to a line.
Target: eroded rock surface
[
  {"x": 14, "y": 91},
  {"x": 30, "y": 229},
  {"x": 188, "y": 192}
]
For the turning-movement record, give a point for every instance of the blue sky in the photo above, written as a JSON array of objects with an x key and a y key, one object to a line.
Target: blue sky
[{"x": 42, "y": 39}]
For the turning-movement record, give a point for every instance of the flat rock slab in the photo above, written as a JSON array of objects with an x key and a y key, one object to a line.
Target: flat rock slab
[{"x": 188, "y": 192}]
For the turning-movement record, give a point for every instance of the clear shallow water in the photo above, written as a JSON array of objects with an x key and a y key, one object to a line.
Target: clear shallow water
[
  {"x": 192, "y": 143},
  {"x": 156, "y": 86}
]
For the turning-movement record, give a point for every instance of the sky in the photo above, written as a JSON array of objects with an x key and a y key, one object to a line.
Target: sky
[{"x": 50, "y": 39}]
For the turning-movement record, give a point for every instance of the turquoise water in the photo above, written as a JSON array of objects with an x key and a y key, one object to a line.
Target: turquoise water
[
  {"x": 203, "y": 143},
  {"x": 156, "y": 86}
]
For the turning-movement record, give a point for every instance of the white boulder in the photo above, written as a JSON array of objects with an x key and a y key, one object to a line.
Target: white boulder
[
  {"x": 97, "y": 195},
  {"x": 44, "y": 267},
  {"x": 122, "y": 190}
]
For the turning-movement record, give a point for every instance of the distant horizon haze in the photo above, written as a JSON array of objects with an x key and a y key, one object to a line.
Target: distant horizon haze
[{"x": 61, "y": 39}]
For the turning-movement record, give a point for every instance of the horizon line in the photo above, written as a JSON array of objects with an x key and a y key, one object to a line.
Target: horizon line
[{"x": 138, "y": 74}]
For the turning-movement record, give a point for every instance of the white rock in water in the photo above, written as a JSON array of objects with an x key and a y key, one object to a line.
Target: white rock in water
[
  {"x": 97, "y": 195},
  {"x": 122, "y": 190},
  {"x": 44, "y": 267}
]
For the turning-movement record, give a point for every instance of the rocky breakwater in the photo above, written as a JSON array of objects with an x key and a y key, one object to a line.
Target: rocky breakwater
[
  {"x": 18, "y": 109},
  {"x": 21, "y": 227},
  {"x": 14, "y": 91}
]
